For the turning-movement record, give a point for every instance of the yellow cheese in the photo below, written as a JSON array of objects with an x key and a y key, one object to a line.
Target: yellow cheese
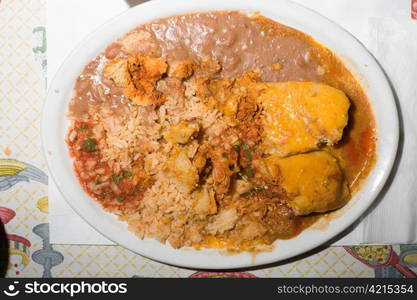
[
  {"x": 300, "y": 116},
  {"x": 313, "y": 181}
]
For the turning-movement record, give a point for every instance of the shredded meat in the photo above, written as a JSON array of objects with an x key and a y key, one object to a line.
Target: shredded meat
[
  {"x": 224, "y": 221},
  {"x": 281, "y": 221},
  {"x": 180, "y": 170},
  {"x": 224, "y": 160},
  {"x": 181, "y": 69},
  {"x": 205, "y": 201},
  {"x": 138, "y": 76},
  {"x": 140, "y": 42},
  {"x": 210, "y": 66}
]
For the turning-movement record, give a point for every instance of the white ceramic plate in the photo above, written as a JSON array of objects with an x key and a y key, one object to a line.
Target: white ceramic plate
[{"x": 361, "y": 63}]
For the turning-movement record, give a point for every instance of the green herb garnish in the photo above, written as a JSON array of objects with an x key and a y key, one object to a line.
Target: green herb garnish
[
  {"x": 237, "y": 148},
  {"x": 260, "y": 189},
  {"x": 248, "y": 172},
  {"x": 245, "y": 147},
  {"x": 248, "y": 155},
  {"x": 89, "y": 146},
  {"x": 245, "y": 195},
  {"x": 120, "y": 199},
  {"x": 116, "y": 178},
  {"x": 82, "y": 127},
  {"x": 126, "y": 174},
  {"x": 224, "y": 155},
  {"x": 90, "y": 134},
  {"x": 97, "y": 181}
]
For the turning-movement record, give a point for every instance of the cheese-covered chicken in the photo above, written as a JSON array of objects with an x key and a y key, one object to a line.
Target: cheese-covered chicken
[
  {"x": 313, "y": 181},
  {"x": 179, "y": 170},
  {"x": 300, "y": 116}
]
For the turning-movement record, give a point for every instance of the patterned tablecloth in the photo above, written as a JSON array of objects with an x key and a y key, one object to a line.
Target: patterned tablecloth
[{"x": 25, "y": 250}]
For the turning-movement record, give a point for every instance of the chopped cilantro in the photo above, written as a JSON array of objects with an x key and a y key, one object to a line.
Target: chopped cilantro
[
  {"x": 90, "y": 134},
  {"x": 82, "y": 127},
  {"x": 248, "y": 155},
  {"x": 248, "y": 172},
  {"x": 237, "y": 148},
  {"x": 245, "y": 195},
  {"x": 116, "y": 178},
  {"x": 89, "y": 146},
  {"x": 259, "y": 189},
  {"x": 224, "y": 155},
  {"x": 126, "y": 174},
  {"x": 120, "y": 199},
  {"x": 245, "y": 147}
]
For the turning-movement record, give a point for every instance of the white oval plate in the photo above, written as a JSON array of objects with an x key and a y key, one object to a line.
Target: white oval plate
[{"x": 55, "y": 124}]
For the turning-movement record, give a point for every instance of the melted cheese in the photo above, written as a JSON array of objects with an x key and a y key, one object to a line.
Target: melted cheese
[
  {"x": 300, "y": 116},
  {"x": 313, "y": 181}
]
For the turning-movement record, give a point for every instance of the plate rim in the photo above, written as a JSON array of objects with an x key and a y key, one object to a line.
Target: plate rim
[{"x": 223, "y": 262}]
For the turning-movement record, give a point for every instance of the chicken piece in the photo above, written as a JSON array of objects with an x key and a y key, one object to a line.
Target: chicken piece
[
  {"x": 140, "y": 178},
  {"x": 205, "y": 201},
  {"x": 181, "y": 69},
  {"x": 139, "y": 42},
  {"x": 144, "y": 73},
  {"x": 224, "y": 221},
  {"x": 231, "y": 95},
  {"x": 138, "y": 75},
  {"x": 300, "y": 116},
  {"x": 210, "y": 66},
  {"x": 221, "y": 172},
  {"x": 241, "y": 187},
  {"x": 313, "y": 182},
  {"x": 267, "y": 179},
  {"x": 116, "y": 70},
  {"x": 221, "y": 91},
  {"x": 247, "y": 108},
  {"x": 228, "y": 95},
  {"x": 200, "y": 158},
  {"x": 181, "y": 171},
  {"x": 224, "y": 159},
  {"x": 182, "y": 133},
  {"x": 192, "y": 149}
]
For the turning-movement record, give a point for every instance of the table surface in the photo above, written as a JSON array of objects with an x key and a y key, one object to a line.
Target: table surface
[{"x": 23, "y": 184}]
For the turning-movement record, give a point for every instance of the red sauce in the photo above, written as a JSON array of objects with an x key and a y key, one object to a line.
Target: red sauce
[{"x": 96, "y": 177}]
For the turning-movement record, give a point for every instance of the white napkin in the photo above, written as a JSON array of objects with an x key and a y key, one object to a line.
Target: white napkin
[
  {"x": 394, "y": 219},
  {"x": 66, "y": 227}
]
